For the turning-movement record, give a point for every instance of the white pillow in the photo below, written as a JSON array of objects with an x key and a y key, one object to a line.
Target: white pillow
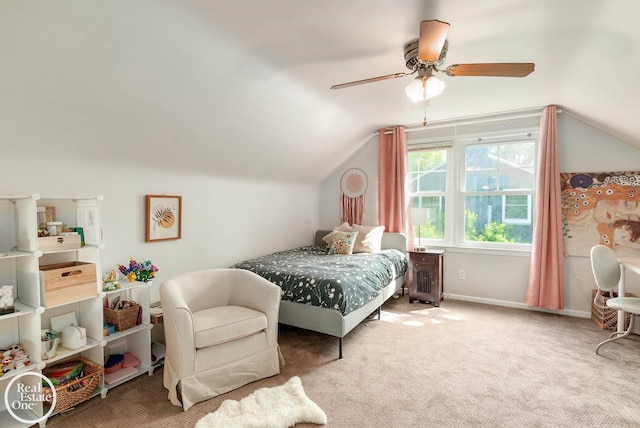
[
  {"x": 369, "y": 238},
  {"x": 344, "y": 227}
]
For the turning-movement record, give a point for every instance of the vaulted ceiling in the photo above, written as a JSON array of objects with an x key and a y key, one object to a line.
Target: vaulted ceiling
[{"x": 241, "y": 88}]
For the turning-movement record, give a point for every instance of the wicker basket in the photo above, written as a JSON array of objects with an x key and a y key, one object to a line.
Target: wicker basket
[
  {"x": 607, "y": 319},
  {"x": 124, "y": 318},
  {"x": 74, "y": 393}
]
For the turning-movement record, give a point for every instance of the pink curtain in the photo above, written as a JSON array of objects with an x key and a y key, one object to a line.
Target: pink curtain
[
  {"x": 546, "y": 272},
  {"x": 392, "y": 181}
]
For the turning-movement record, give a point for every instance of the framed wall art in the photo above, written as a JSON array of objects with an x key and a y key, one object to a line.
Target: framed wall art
[
  {"x": 601, "y": 208},
  {"x": 163, "y": 217}
]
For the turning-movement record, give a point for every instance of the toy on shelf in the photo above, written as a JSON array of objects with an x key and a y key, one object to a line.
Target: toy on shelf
[
  {"x": 143, "y": 272},
  {"x": 14, "y": 358},
  {"x": 110, "y": 280},
  {"x": 6, "y": 299},
  {"x": 49, "y": 341}
]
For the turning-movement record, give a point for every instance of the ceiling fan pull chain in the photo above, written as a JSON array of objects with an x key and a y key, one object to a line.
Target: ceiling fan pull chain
[{"x": 424, "y": 121}]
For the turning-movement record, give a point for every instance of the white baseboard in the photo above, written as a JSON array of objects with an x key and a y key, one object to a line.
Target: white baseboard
[{"x": 573, "y": 313}]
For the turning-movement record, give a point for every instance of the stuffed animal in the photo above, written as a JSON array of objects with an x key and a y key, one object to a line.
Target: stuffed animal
[{"x": 6, "y": 296}]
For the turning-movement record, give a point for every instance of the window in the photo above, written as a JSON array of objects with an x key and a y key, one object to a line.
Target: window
[
  {"x": 474, "y": 189},
  {"x": 516, "y": 209},
  {"x": 428, "y": 175},
  {"x": 498, "y": 184}
]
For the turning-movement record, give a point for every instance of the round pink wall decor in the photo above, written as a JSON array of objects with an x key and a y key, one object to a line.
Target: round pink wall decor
[{"x": 353, "y": 184}]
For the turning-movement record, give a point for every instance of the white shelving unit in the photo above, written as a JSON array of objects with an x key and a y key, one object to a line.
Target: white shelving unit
[
  {"x": 19, "y": 267},
  {"x": 137, "y": 339},
  {"x": 20, "y": 262},
  {"x": 85, "y": 213}
]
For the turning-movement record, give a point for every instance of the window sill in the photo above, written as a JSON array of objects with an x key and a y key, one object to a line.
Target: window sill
[{"x": 517, "y": 252}]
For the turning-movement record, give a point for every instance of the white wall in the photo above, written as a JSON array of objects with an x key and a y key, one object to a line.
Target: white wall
[
  {"x": 500, "y": 277},
  {"x": 367, "y": 160},
  {"x": 224, "y": 220}
]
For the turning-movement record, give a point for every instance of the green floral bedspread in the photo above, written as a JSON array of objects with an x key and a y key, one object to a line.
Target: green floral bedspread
[{"x": 311, "y": 276}]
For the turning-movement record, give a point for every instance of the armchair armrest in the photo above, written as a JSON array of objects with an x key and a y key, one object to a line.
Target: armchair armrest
[
  {"x": 253, "y": 291},
  {"x": 179, "y": 328}
]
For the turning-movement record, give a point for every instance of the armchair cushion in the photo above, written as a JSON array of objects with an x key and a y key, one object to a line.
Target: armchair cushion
[{"x": 222, "y": 324}]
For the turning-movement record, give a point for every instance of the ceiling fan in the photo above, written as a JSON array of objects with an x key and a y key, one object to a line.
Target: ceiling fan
[{"x": 426, "y": 54}]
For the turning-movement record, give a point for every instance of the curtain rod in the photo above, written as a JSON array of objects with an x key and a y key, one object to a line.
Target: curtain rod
[{"x": 470, "y": 120}]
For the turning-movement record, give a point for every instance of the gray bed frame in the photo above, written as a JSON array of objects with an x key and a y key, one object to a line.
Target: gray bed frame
[{"x": 331, "y": 321}]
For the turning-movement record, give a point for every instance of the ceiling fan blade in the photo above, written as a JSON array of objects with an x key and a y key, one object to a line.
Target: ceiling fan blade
[
  {"x": 501, "y": 69},
  {"x": 432, "y": 36},
  {"x": 373, "y": 79}
]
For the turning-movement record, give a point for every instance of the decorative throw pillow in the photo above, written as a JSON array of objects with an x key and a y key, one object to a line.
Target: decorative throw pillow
[
  {"x": 343, "y": 242},
  {"x": 369, "y": 239},
  {"x": 344, "y": 227}
]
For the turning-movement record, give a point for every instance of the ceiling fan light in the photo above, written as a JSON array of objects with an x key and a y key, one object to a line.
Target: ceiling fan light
[{"x": 423, "y": 88}]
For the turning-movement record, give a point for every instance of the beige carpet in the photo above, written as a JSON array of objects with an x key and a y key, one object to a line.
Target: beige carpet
[{"x": 460, "y": 365}]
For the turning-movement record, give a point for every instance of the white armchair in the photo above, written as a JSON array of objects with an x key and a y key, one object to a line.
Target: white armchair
[{"x": 221, "y": 331}]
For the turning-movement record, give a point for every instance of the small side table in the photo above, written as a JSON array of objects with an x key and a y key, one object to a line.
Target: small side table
[
  {"x": 157, "y": 337},
  {"x": 425, "y": 276}
]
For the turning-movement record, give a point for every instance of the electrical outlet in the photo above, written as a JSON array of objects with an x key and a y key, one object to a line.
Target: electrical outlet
[{"x": 462, "y": 274}]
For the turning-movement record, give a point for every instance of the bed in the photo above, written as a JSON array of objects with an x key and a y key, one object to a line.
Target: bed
[{"x": 332, "y": 294}]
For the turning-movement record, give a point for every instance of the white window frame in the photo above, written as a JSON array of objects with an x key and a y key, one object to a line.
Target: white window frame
[
  {"x": 455, "y": 193},
  {"x": 509, "y": 136},
  {"x": 509, "y": 220},
  {"x": 446, "y": 146}
]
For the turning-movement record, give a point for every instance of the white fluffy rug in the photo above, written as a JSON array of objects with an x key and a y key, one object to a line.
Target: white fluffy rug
[{"x": 279, "y": 407}]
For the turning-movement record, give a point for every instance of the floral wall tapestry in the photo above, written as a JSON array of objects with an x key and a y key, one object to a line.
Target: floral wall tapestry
[{"x": 601, "y": 208}]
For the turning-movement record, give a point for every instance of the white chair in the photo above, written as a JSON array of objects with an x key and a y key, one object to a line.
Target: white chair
[
  {"x": 607, "y": 270},
  {"x": 221, "y": 331}
]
